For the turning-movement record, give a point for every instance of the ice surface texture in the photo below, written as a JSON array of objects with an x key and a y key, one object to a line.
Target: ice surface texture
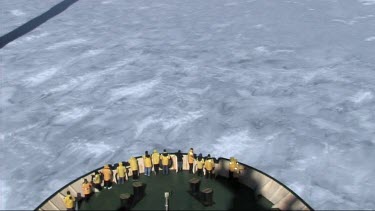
[{"x": 286, "y": 86}]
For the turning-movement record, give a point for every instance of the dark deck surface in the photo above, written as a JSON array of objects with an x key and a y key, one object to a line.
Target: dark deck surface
[{"x": 227, "y": 195}]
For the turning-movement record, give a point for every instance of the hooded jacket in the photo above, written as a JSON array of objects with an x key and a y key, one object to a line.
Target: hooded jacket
[
  {"x": 147, "y": 161},
  {"x": 133, "y": 164},
  {"x": 200, "y": 162},
  {"x": 86, "y": 188},
  {"x": 191, "y": 156},
  {"x": 155, "y": 157},
  {"x": 69, "y": 201},
  {"x": 120, "y": 170},
  {"x": 233, "y": 164},
  {"x": 165, "y": 159},
  {"x": 209, "y": 164},
  {"x": 107, "y": 173},
  {"x": 97, "y": 179}
]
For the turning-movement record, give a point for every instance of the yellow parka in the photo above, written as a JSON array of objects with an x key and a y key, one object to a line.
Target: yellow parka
[
  {"x": 233, "y": 164},
  {"x": 121, "y": 170},
  {"x": 209, "y": 164},
  {"x": 165, "y": 159},
  {"x": 69, "y": 201},
  {"x": 155, "y": 157},
  {"x": 86, "y": 188},
  {"x": 133, "y": 164},
  {"x": 200, "y": 164},
  {"x": 107, "y": 173},
  {"x": 147, "y": 161},
  {"x": 97, "y": 179},
  {"x": 191, "y": 156}
]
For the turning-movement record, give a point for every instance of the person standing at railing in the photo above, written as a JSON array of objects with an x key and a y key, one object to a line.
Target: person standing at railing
[
  {"x": 233, "y": 167},
  {"x": 148, "y": 164},
  {"x": 107, "y": 174},
  {"x": 200, "y": 163},
  {"x": 69, "y": 201},
  {"x": 191, "y": 160},
  {"x": 156, "y": 160},
  {"x": 86, "y": 189},
  {"x": 134, "y": 167},
  {"x": 209, "y": 166},
  {"x": 121, "y": 171},
  {"x": 97, "y": 180},
  {"x": 165, "y": 157},
  {"x": 179, "y": 160}
]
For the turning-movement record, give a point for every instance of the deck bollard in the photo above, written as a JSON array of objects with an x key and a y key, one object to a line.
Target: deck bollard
[
  {"x": 194, "y": 186},
  {"x": 206, "y": 196},
  {"x": 125, "y": 201},
  {"x": 138, "y": 191}
]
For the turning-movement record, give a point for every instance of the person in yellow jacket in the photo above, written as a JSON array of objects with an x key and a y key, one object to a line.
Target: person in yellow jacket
[
  {"x": 148, "y": 163},
  {"x": 233, "y": 167},
  {"x": 69, "y": 201},
  {"x": 97, "y": 179},
  {"x": 165, "y": 157},
  {"x": 209, "y": 166},
  {"x": 200, "y": 164},
  {"x": 134, "y": 167},
  {"x": 191, "y": 159},
  {"x": 86, "y": 189},
  {"x": 156, "y": 160},
  {"x": 121, "y": 172},
  {"x": 108, "y": 176}
]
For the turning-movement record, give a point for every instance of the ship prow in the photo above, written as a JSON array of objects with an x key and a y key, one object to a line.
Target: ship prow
[{"x": 248, "y": 189}]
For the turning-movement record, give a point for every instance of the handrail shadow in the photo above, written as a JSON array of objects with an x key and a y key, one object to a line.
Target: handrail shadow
[{"x": 35, "y": 22}]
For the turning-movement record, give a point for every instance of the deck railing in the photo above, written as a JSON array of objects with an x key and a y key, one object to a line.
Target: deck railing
[{"x": 263, "y": 184}]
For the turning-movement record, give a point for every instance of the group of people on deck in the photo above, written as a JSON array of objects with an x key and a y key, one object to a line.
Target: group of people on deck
[{"x": 151, "y": 163}]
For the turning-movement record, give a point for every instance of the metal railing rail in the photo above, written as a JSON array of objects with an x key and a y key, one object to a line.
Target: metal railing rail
[{"x": 218, "y": 167}]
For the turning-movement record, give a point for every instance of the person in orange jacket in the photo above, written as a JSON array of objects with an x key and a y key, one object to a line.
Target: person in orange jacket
[
  {"x": 107, "y": 173},
  {"x": 86, "y": 189},
  {"x": 69, "y": 201}
]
